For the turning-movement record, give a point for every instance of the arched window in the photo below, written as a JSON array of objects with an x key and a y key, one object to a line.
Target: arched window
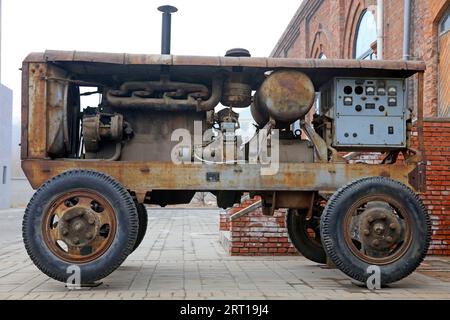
[
  {"x": 445, "y": 24},
  {"x": 444, "y": 65},
  {"x": 366, "y": 37}
]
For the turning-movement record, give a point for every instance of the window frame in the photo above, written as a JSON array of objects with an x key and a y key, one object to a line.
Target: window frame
[
  {"x": 441, "y": 34},
  {"x": 370, "y": 52},
  {"x": 441, "y": 22}
]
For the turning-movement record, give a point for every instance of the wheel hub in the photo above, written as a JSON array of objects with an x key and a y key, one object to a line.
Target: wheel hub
[
  {"x": 380, "y": 229},
  {"x": 78, "y": 226}
]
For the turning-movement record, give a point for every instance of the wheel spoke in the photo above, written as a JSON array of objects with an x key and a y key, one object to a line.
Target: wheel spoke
[
  {"x": 104, "y": 218},
  {"x": 97, "y": 243},
  {"x": 73, "y": 250},
  {"x": 59, "y": 211},
  {"x": 54, "y": 232},
  {"x": 84, "y": 202}
]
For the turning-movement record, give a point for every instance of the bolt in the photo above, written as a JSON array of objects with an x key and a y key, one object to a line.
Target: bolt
[
  {"x": 78, "y": 226},
  {"x": 389, "y": 239},
  {"x": 378, "y": 228},
  {"x": 370, "y": 219},
  {"x": 76, "y": 240},
  {"x": 392, "y": 226},
  {"x": 376, "y": 243},
  {"x": 65, "y": 232},
  {"x": 91, "y": 220},
  {"x": 366, "y": 232},
  {"x": 89, "y": 235}
]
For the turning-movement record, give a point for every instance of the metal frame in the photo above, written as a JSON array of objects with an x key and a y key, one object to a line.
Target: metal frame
[{"x": 142, "y": 177}]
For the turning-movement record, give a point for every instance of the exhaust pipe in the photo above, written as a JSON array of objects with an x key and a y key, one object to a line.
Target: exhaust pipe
[{"x": 166, "y": 26}]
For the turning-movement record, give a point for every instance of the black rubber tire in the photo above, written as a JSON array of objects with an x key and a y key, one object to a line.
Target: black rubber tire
[
  {"x": 143, "y": 222},
  {"x": 296, "y": 230},
  {"x": 332, "y": 220},
  {"x": 126, "y": 220}
]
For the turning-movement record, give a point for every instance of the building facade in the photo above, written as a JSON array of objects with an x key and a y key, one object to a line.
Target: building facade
[{"x": 5, "y": 146}]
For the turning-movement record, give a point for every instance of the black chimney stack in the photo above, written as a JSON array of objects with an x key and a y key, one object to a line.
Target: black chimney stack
[{"x": 166, "y": 26}]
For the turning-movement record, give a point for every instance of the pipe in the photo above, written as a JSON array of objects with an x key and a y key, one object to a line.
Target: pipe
[
  {"x": 406, "y": 28},
  {"x": 380, "y": 29},
  {"x": 166, "y": 27},
  {"x": 169, "y": 104}
]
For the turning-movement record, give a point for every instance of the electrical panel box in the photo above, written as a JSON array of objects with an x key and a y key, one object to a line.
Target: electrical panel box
[{"x": 367, "y": 113}]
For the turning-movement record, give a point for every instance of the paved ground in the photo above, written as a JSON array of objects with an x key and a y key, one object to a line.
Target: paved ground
[{"x": 181, "y": 258}]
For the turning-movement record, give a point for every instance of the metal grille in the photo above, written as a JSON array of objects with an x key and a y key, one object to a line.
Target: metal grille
[{"x": 444, "y": 75}]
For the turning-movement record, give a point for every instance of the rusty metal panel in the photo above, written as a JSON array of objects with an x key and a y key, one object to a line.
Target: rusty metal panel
[
  {"x": 121, "y": 58},
  {"x": 56, "y": 110},
  {"x": 293, "y": 199},
  {"x": 145, "y": 176},
  {"x": 37, "y": 117},
  {"x": 24, "y": 111}
]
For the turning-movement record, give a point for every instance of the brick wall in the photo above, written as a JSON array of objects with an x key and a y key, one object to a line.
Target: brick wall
[
  {"x": 255, "y": 233},
  {"x": 437, "y": 198}
]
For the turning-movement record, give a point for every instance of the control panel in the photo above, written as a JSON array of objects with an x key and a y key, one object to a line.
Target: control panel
[{"x": 367, "y": 113}]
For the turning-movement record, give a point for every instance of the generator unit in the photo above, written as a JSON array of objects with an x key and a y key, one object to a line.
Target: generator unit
[
  {"x": 166, "y": 126},
  {"x": 366, "y": 113}
]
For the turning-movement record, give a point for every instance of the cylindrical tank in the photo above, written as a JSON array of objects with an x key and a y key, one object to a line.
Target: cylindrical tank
[
  {"x": 285, "y": 95},
  {"x": 261, "y": 116}
]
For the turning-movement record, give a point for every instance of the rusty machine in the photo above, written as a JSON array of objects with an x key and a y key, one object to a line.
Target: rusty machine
[{"x": 156, "y": 136}]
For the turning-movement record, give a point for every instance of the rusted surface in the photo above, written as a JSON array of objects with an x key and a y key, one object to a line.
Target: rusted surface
[
  {"x": 177, "y": 96},
  {"x": 145, "y": 176},
  {"x": 420, "y": 177},
  {"x": 417, "y": 178},
  {"x": 420, "y": 105},
  {"x": 37, "y": 113},
  {"x": 125, "y": 58},
  {"x": 237, "y": 92},
  {"x": 286, "y": 95},
  {"x": 380, "y": 226},
  {"x": 24, "y": 111},
  {"x": 293, "y": 199},
  {"x": 56, "y": 108},
  {"x": 201, "y": 68},
  {"x": 79, "y": 226}
]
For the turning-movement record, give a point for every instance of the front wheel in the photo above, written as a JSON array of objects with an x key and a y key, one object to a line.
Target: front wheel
[
  {"x": 376, "y": 221},
  {"x": 83, "y": 218}
]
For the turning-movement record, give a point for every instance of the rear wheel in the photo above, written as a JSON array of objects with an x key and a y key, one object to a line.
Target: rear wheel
[
  {"x": 305, "y": 235},
  {"x": 376, "y": 221},
  {"x": 82, "y": 218},
  {"x": 143, "y": 222}
]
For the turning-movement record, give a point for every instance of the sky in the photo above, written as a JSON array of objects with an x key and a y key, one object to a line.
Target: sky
[{"x": 200, "y": 27}]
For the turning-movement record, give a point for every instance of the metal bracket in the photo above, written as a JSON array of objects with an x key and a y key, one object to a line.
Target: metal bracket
[{"x": 319, "y": 144}]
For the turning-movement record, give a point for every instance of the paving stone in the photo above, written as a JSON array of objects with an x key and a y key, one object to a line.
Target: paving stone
[{"x": 181, "y": 258}]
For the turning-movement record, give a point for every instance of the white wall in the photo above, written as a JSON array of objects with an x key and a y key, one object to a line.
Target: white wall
[{"x": 5, "y": 146}]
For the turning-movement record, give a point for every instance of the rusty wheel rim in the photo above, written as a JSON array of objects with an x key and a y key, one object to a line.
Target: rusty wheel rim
[
  {"x": 79, "y": 226},
  {"x": 363, "y": 223}
]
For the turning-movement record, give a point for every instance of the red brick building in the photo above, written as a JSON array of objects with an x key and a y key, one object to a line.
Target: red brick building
[{"x": 355, "y": 29}]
